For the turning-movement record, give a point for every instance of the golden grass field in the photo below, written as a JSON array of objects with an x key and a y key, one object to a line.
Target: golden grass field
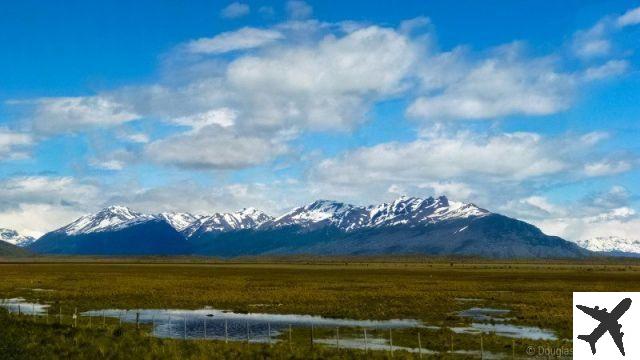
[{"x": 538, "y": 293}]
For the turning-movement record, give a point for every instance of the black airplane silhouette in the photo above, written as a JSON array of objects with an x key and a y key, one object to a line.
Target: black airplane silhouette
[{"x": 608, "y": 322}]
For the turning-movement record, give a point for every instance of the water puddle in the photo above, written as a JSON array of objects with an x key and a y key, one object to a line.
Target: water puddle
[
  {"x": 484, "y": 321},
  {"x": 21, "y": 306},
  {"x": 507, "y": 330},
  {"x": 485, "y": 314},
  {"x": 220, "y": 325}
]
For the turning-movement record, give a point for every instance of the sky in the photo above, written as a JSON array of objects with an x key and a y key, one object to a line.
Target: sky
[{"x": 529, "y": 108}]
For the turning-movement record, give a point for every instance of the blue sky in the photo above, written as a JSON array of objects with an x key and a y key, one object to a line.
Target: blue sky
[{"x": 525, "y": 108}]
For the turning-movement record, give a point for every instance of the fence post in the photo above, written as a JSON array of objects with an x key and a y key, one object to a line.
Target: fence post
[
  {"x": 311, "y": 336},
  {"x": 137, "y": 320},
  {"x": 338, "y": 338},
  {"x": 104, "y": 320},
  {"x": 419, "y": 346},
  {"x": 226, "y": 332},
  {"x": 247, "y": 325},
  {"x": 19, "y": 310},
  {"x": 290, "y": 342},
  {"x": 366, "y": 346}
]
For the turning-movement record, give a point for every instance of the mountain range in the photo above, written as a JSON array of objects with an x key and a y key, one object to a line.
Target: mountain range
[
  {"x": 613, "y": 245},
  {"x": 408, "y": 225}
]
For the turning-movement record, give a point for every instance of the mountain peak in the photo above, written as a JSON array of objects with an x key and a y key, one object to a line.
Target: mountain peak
[
  {"x": 105, "y": 219},
  {"x": 13, "y": 237}
]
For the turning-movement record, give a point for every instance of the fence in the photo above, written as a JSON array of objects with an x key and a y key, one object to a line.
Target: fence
[{"x": 202, "y": 331}]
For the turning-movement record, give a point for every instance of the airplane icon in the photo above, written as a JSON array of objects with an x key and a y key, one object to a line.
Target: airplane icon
[{"x": 608, "y": 322}]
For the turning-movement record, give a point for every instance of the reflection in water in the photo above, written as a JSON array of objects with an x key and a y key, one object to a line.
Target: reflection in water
[
  {"x": 20, "y": 306},
  {"x": 484, "y": 322},
  {"x": 221, "y": 325},
  {"x": 484, "y": 314},
  {"x": 508, "y": 330}
]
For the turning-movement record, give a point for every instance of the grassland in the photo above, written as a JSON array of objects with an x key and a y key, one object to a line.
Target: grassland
[{"x": 539, "y": 294}]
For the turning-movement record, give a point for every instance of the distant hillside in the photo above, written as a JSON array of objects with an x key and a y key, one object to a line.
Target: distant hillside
[{"x": 10, "y": 250}]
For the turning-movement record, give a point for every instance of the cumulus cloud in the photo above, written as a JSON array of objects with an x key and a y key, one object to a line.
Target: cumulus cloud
[
  {"x": 45, "y": 190},
  {"x": 607, "y": 167},
  {"x": 14, "y": 145},
  {"x": 513, "y": 156},
  {"x": 71, "y": 114},
  {"x": 631, "y": 17},
  {"x": 327, "y": 86},
  {"x": 243, "y": 39},
  {"x": 601, "y": 214},
  {"x": 506, "y": 83},
  {"x": 214, "y": 147},
  {"x": 223, "y": 117},
  {"x": 609, "y": 69},
  {"x": 235, "y": 10}
]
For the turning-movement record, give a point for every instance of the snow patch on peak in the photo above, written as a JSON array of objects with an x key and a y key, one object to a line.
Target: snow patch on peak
[
  {"x": 178, "y": 220},
  {"x": 109, "y": 218}
]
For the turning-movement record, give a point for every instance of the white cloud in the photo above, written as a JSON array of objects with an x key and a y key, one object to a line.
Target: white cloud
[
  {"x": 223, "y": 117},
  {"x": 14, "y": 145},
  {"x": 609, "y": 69},
  {"x": 242, "y": 39},
  {"x": 593, "y": 42},
  {"x": 504, "y": 157},
  {"x": 326, "y": 86},
  {"x": 71, "y": 114},
  {"x": 37, "y": 219},
  {"x": 607, "y": 167},
  {"x": 631, "y": 17},
  {"x": 235, "y": 10},
  {"x": 140, "y": 138},
  {"x": 214, "y": 147},
  {"x": 298, "y": 9},
  {"x": 45, "y": 190},
  {"x": 455, "y": 190},
  {"x": 506, "y": 83}
]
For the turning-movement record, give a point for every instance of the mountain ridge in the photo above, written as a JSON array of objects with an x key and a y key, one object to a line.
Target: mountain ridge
[{"x": 405, "y": 225}]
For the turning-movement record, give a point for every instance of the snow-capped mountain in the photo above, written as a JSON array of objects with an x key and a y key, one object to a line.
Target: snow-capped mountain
[
  {"x": 611, "y": 244},
  {"x": 405, "y": 225},
  {"x": 248, "y": 218},
  {"x": 12, "y": 237},
  {"x": 321, "y": 213},
  {"x": 107, "y": 219},
  {"x": 179, "y": 221},
  {"x": 408, "y": 211}
]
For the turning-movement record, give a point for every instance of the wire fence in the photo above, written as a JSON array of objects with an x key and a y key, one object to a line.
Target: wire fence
[{"x": 181, "y": 327}]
